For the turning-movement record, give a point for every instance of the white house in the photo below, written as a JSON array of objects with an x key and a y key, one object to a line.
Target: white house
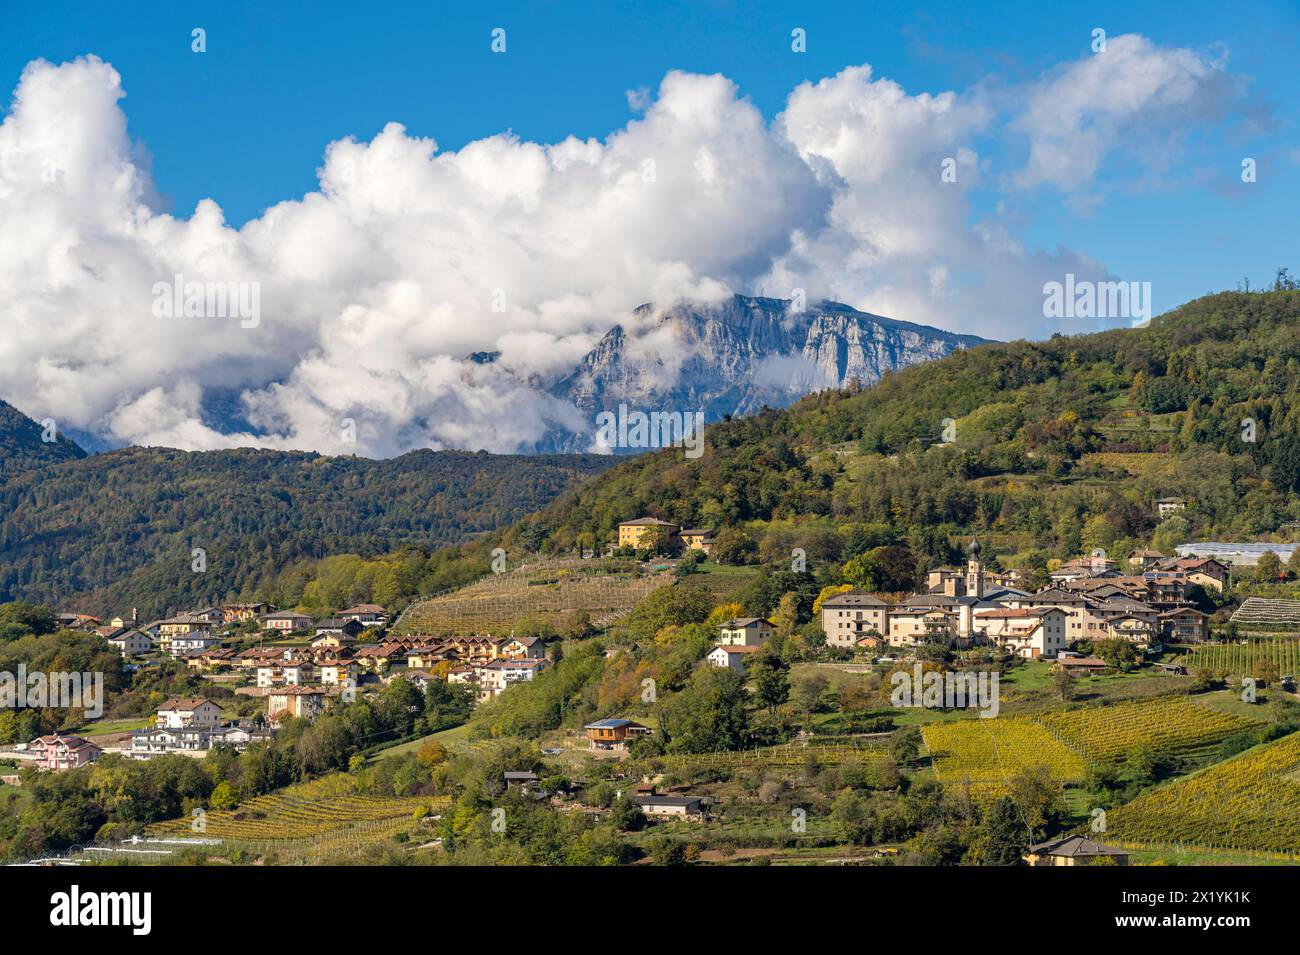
[
  {"x": 186, "y": 643},
  {"x": 1032, "y": 633},
  {"x": 369, "y": 615},
  {"x": 732, "y": 658},
  {"x": 337, "y": 672},
  {"x": 131, "y": 643},
  {"x": 178, "y": 713},
  {"x": 499, "y": 674},
  {"x": 656, "y": 805}
]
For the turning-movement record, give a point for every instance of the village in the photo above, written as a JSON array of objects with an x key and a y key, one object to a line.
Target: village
[{"x": 297, "y": 663}]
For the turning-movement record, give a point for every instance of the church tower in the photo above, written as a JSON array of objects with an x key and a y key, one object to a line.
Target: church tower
[{"x": 974, "y": 570}]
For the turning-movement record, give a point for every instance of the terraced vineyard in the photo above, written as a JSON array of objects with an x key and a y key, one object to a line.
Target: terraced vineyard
[
  {"x": 325, "y": 812},
  {"x": 555, "y": 591},
  {"x": 987, "y": 753},
  {"x": 1268, "y": 614},
  {"x": 1249, "y": 803},
  {"x": 1169, "y": 723},
  {"x": 1239, "y": 660}
]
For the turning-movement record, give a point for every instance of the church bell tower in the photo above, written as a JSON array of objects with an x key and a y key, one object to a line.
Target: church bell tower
[{"x": 974, "y": 570}]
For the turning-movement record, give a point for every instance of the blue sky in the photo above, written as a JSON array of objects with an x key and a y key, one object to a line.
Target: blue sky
[
  {"x": 615, "y": 154},
  {"x": 247, "y": 123}
]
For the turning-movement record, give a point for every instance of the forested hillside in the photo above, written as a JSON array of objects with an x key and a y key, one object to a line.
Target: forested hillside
[
  {"x": 22, "y": 444},
  {"x": 1055, "y": 447},
  {"x": 120, "y": 528}
]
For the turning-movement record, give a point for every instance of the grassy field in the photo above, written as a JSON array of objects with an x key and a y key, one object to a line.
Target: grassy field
[
  {"x": 448, "y": 737},
  {"x": 107, "y": 727},
  {"x": 552, "y": 592},
  {"x": 722, "y": 580}
]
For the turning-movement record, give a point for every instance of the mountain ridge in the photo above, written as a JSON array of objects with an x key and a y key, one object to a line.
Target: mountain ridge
[
  {"x": 23, "y": 445},
  {"x": 740, "y": 355}
]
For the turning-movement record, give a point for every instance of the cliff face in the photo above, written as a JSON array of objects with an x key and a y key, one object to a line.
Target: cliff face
[{"x": 737, "y": 356}]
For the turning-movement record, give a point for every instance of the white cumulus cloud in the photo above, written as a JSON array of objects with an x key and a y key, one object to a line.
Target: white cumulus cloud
[{"x": 375, "y": 289}]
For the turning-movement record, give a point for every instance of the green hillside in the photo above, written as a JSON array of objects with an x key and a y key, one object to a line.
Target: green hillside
[
  {"x": 119, "y": 528},
  {"x": 1059, "y": 446},
  {"x": 23, "y": 445}
]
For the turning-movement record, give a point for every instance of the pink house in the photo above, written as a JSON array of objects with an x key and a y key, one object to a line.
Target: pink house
[{"x": 63, "y": 752}]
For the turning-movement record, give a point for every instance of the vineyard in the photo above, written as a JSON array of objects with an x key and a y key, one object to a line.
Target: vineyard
[
  {"x": 988, "y": 753},
  {"x": 1168, "y": 723},
  {"x": 1241, "y": 660},
  {"x": 1248, "y": 803},
  {"x": 1268, "y": 614},
  {"x": 554, "y": 591},
  {"x": 320, "y": 816}
]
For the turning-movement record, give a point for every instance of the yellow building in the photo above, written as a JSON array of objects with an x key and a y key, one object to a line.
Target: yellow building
[
  {"x": 631, "y": 533},
  {"x": 699, "y": 539}
]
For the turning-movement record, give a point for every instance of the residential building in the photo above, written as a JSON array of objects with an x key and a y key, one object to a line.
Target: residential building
[
  {"x": 1074, "y": 850},
  {"x": 522, "y": 648},
  {"x": 180, "y": 712},
  {"x": 238, "y": 613},
  {"x": 132, "y": 643},
  {"x": 305, "y": 702},
  {"x": 1185, "y": 625},
  {"x": 348, "y": 628},
  {"x": 286, "y": 621},
  {"x": 614, "y": 734},
  {"x": 745, "y": 632},
  {"x": 76, "y": 621},
  {"x": 337, "y": 672},
  {"x": 699, "y": 539},
  {"x": 193, "y": 739},
  {"x": 655, "y": 805},
  {"x": 1143, "y": 560},
  {"x": 368, "y": 615},
  {"x": 377, "y": 656},
  {"x": 420, "y": 657},
  {"x": 57, "y": 752},
  {"x": 632, "y": 533},
  {"x": 497, "y": 676},
  {"x": 847, "y": 617},
  {"x": 731, "y": 658},
  {"x": 186, "y": 643},
  {"x": 287, "y": 673},
  {"x": 1033, "y": 633},
  {"x": 212, "y": 616}
]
